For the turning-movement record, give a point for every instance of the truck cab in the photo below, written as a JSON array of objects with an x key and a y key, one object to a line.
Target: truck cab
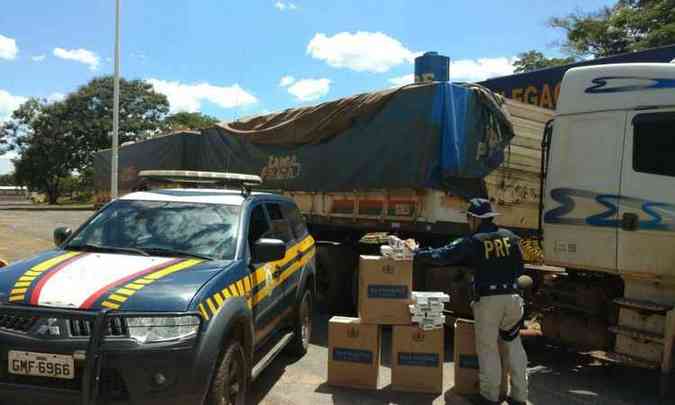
[{"x": 609, "y": 203}]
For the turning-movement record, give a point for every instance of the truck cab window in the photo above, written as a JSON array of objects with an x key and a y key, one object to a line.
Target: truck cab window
[{"x": 654, "y": 143}]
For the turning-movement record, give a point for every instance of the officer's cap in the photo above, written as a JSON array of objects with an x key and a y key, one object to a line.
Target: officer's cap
[{"x": 481, "y": 208}]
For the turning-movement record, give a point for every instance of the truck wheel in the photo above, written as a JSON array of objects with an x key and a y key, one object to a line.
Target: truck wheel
[
  {"x": 302, "y": 329},
  {"x": 334, "y": 270},
  {"x": 231, "y": 381}
]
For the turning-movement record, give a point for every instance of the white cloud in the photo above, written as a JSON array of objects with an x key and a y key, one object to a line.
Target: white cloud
[
  {"x": 286, "y": 81},
  {"x": 9, "y": 103},
  {"x": 283, "y": 6},
  {"x": 38, "y": 58},
  {"x": 475, "y": 70},
  {"x": 402, "y": 80},
  {"x": 360, "y": 51},
  {"x": 79, "y": 55},
  {"x": 189, "y": 97},
  {"x": 8, "y": 48},
  {"x": 309, "y": 89},
  {"x": 56, "y": 96}
]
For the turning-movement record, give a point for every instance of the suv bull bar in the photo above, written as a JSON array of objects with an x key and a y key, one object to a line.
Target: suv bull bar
[{"x": 91, "y": 372}]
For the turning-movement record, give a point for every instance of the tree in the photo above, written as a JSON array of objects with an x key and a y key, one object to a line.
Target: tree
[
  {"x": 189, "y": 120},
  {"x": 533, "y": 60},
  {"x": 142, "y": 111},
  {"x": 7, "y": 179},
  {"x": 56, "y": 139},
  {"x": 45, "y": 147},
  {"x": 628, "y": 26}
]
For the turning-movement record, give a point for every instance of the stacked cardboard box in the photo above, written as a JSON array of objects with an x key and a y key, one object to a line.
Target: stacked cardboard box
[
  {"x": 353, "y": 353},
  {"x": 384, "y": 290},
  {"x": 427, "y": 309},
  {"x": 417, "y": 359}
]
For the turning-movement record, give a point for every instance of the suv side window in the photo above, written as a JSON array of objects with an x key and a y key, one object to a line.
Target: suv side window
[
  {"x": 258, "y": 226},
  {"x": 654, "y": 143},
  {"x": 280, "y": 228},
  {"x": 292, "y": 213}
]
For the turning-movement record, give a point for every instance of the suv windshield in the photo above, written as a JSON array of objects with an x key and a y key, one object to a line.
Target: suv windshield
[{"x": 163, "y": 228}]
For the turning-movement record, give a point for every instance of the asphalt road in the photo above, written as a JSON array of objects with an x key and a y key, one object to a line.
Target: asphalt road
[{"x": 557, "y": 376}]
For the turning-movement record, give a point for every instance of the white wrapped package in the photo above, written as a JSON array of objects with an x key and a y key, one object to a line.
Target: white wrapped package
[
  {"x": 427, "y": 309},
  {"x": 429, "y": 297},
  {"x": 399, "y": 249}
]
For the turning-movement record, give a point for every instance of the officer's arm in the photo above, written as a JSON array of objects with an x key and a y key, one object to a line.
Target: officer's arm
[{"x": 454, "y": 253}]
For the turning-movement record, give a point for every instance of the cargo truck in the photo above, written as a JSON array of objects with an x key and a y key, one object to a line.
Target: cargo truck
[{"x": 594, "y": 185}]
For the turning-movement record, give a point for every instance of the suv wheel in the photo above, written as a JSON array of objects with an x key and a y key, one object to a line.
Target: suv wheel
[
  {"x": 231, "y": 381},
  {"x": 302, "y": 330}
]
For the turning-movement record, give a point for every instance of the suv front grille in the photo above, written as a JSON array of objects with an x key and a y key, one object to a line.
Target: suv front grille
[
  {"x": 17, "y": 323},
  {"x": 114, "y": 327},
  {"x": 78, "y": 327}
]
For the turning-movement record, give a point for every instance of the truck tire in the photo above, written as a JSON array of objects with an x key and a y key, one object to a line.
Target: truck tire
[
  {"x": 302, "y": 327},
  {"x": 334, "y": 275},
  {"x": 230, "y": 383}
]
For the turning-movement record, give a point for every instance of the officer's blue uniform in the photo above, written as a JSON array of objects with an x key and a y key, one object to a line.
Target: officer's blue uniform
[
  {"x": 495, "y": 256},
  {"x": 492, "y": 252}
]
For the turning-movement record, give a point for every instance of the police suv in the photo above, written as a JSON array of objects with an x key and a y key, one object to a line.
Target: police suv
[{"x": 168, "y": 296}]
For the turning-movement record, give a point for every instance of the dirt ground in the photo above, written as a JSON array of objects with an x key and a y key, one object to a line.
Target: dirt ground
[{"x": 557, "y": 376}]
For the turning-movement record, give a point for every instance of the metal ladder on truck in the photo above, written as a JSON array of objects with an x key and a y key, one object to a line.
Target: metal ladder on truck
[{"x": 645, "y": 337}]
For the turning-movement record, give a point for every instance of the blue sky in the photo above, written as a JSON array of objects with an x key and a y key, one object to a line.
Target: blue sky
[{"x": 227, "y": 58}]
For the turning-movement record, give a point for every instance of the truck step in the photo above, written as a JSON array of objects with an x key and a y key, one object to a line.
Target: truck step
[
  {"x": 620, "y": 358},
  {"x": 636, "y": 334},
  {"x": 643, "y": 305},
  {"x": 272, "y": 354}
]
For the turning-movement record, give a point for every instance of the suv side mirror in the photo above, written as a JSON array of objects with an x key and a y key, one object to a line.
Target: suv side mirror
[
  {"x": 268, "y": 250},
  {"x": 61, "y": 234}
]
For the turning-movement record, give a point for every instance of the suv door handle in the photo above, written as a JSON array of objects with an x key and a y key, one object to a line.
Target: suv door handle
[{"x": 630, "y": 222}]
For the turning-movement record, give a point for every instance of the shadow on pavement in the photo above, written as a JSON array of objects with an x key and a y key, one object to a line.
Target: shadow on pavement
[
  {"x": 560, "y": 374},
  {"x": 384, "y": 395},
  {"x": 557, "y": 376}
]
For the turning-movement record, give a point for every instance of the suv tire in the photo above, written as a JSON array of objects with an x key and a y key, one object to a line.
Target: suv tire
[
  {"x": 302, "y": 328},
  {"x": 230, "y": 383}
]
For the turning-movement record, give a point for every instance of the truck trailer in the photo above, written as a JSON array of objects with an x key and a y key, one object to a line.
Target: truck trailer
[{"x": 400, "y": 161}]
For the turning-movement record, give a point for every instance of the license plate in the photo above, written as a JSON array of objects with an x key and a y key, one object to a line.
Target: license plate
[{"x": 41, "y": 364}]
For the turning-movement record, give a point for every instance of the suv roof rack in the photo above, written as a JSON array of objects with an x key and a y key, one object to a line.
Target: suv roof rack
[{"x": 243, "y": 181}]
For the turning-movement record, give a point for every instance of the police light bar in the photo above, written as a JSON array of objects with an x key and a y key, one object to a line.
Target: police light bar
[{"x": 190, "y": 176}]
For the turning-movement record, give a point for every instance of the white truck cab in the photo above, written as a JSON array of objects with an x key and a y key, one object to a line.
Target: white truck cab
[
  {"x": 610, "y": 186},
  {"x": 610, "y": 191}
]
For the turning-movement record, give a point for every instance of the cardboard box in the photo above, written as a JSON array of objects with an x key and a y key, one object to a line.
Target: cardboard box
[
  {"x": 384, "y": 290},
  {"x": 353, "y": 353},
  {"x": 417, "y": 359},
  {"x": 466, "y": 360}
]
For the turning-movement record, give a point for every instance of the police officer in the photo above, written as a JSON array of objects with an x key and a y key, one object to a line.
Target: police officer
[{"x": 495, "y": 256}]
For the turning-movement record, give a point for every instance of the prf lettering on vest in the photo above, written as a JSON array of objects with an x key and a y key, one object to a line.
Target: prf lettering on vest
[{"x": 497, "y": 248}]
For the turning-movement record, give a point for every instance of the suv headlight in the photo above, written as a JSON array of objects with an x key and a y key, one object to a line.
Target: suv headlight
[{"x": 162, "y": 329}]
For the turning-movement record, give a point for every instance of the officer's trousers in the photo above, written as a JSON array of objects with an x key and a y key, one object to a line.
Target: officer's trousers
[{"x": 493, "y": 313}]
